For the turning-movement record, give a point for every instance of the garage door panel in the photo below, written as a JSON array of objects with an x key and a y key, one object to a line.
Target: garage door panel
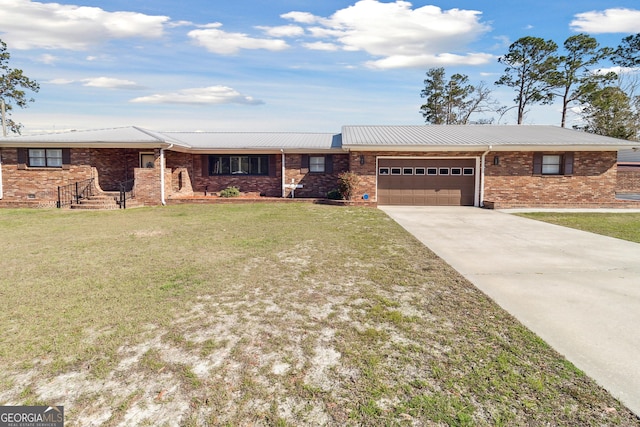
[{"x": 428, "y": 190}]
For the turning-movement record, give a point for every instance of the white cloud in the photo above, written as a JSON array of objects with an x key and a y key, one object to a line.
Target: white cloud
[
  {"x": 224, "y": 43},
  {"x": 47, "y": 59},
  {"x": 200, "y": 96},
  {"x": 423, "y": 61},
  {"x": 111, "y": 83},
  {"x": 99, "y": 82},
  {"x": 400, "y": 35},
  {"x": 28, "y": 24},
  {"x": 301, "y": 17},
  {"x": 330, "y": 47},
  {"x": 60, "y": 81},
  {"x": 617, "y": 20},
  {"x": 283, "y": 31}
]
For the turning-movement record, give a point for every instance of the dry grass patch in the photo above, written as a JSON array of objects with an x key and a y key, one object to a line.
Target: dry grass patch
[{"x": 262, "y": 314}]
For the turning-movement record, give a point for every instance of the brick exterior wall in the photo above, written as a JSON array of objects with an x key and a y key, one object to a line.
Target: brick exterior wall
[
  {"x": 628, "y": 179},
  {"x": 313, "y": 184},
  {"x": 38, "y": 187},
  {"x": 513, "y": 184}
]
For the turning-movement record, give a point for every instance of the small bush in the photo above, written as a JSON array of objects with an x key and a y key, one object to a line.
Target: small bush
[
  {"x": 334, "y": 195},
  {"x": 230, "y": 192},
  {"x": 347, "y": 184}
]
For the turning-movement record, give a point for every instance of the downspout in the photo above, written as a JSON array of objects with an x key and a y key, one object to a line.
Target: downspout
[
  {"x": 1, "y": 174},
  {"x": 162, "y": 162},
  {"x": 482, "y": 168},
  {"x": 283, "y": 177}
]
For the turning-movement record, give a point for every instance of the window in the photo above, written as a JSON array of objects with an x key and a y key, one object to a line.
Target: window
[
  {"x": 45, "y": 158},
  {"x": 396, "y": 171},
  {"x": 238, "y": 165},
  {"x": 420, "y": 171},
  {"x": 432, "y": 171},
  {"x": 443, "y": 171},
  {"x": 553, "y": 164},
  {"x": 456, "y": 171},
  {"x": 467, "y": 171},
  {"x": 384, "y": 171},
  {"x": 316, "y": 163},
  {"x": 407, "y": 171}
]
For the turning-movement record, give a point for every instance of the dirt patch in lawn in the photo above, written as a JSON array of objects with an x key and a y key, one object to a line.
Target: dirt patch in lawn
[{"x": 221, "y": 315}]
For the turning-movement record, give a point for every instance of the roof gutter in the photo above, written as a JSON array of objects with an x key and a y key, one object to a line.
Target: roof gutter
[{"x": 482, "y": 171}]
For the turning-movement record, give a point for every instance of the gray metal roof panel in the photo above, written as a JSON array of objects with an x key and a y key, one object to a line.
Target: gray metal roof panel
[
  {"x": 629, "y": 156},
  {"x": 129, "y": 134},
  {"x": 257, "y": 140},
  {"x": 473, "y": 135}
]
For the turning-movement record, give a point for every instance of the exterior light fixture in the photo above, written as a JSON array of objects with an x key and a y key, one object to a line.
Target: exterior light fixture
[
  {"x": 496, "y": 160},
  {"x": 362, "y": 159}
]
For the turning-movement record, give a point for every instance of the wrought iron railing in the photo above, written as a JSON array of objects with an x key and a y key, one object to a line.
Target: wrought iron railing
[
  {"x": 72, "y": 193},
  {"x": 127, "y": 192}
]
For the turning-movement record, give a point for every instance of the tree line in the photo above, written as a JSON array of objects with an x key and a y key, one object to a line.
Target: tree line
[{"x": 540, "y": 73}]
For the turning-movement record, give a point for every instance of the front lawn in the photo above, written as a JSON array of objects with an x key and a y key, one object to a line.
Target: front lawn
[
  {"x": 265, "y": 314},
  {"x": 624, "y": 226}
]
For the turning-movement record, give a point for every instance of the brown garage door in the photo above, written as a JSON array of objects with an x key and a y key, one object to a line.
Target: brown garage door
[{"x": 426, "y": 182}]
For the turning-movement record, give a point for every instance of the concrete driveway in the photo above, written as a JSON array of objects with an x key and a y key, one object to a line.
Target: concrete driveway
[{"x": 578, "y": 291}]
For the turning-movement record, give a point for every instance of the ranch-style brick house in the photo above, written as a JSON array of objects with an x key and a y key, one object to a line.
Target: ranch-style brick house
[{"x": 487, "y": 166}]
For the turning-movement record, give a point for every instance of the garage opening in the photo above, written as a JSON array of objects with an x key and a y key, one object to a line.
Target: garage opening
[{"x": 426, "y": 182}]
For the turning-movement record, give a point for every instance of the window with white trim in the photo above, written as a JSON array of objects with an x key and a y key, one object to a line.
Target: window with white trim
[
  {"x": 316, "y": 163},
  {"x": 45, "y": 157},
  {"x": 551, "y": 164}
]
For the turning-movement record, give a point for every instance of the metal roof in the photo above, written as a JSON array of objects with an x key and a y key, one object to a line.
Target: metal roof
[
  {"x": 407, "y": 138},
  {"x": 197, "y": 141},
  {"x": 258, "y": 140},
  {"x": 474, "y": 137},
  {"x": 629, "y": 156}
]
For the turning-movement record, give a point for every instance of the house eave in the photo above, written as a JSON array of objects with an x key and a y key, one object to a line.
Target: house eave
[
  {"x": 482, "y": 148},
  {"x": 91, "y": 144}
]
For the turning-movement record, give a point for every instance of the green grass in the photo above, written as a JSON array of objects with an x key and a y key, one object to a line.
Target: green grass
[
  {"x": 265, "y": 314},
  {"x": 624, "y": 226}
]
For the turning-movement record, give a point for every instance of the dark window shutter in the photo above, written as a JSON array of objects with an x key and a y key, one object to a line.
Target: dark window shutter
[
  {"x": 328, "y": 163},
  {"x": 304, "y": 163},
  {"x": 537, "y": 163},
  {"x": 568, "y": 163},
  {"x": 205, "y": 164},
  {"x": 273, "y": 170},
  {"x": 22, "y": 158},
  {"x": 66, "y": 158}
]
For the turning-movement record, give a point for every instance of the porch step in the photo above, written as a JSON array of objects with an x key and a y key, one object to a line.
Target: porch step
[{"x": 97, "y": 202}]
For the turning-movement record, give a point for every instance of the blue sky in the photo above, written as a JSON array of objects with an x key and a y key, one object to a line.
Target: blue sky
[{"x": 278, "y": 65}]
